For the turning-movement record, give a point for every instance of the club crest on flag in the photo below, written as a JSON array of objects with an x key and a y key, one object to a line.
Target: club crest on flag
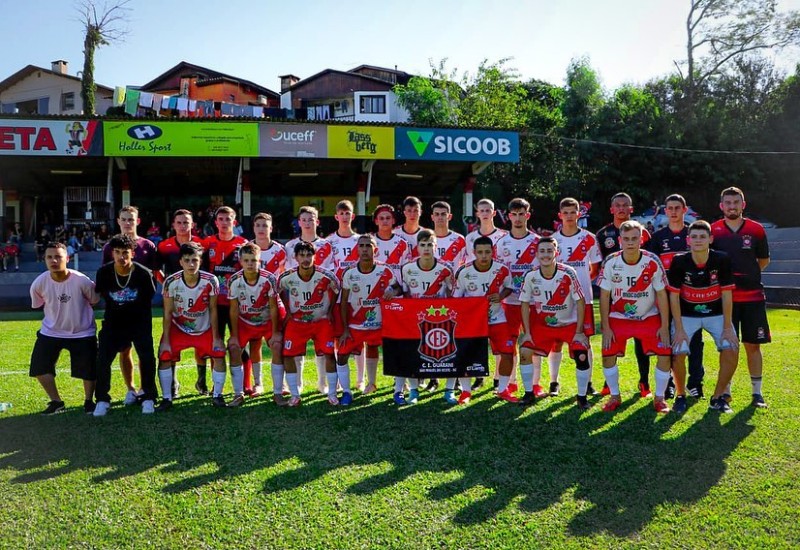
[{"x": 437, "y": 327}]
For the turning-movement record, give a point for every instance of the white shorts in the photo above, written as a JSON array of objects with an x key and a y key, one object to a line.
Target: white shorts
[{"x": 712, "y": 325}]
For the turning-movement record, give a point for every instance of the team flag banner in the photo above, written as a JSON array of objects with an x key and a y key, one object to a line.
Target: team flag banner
[{"x": 435, "y": 337}]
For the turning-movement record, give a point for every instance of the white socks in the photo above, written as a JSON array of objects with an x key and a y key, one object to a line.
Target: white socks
[
  {"x": 165, "y": 377},
  {"x": 344, "y": 378},
  {"x": 257, "y": 374},
  {"x": 553, "y": 362},
  {"x": 372, "y": 370},
  {"x": 612, "y": 379},
  {"x": 291, "y": 379},
  {"x": 526, "y": 372},
  {"x": 218, "y": 378},
  {"x": 237, "y": 379}
]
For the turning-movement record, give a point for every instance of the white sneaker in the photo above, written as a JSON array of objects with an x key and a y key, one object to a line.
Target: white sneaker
[
  {"x": 130, "y": 398},
  {"x": 101, "y": 408},
  {"x": 148, "y": 407}
]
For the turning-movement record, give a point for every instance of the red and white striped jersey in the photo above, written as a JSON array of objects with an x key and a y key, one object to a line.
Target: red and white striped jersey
[
  {"x": 495, "y": 235},
  {"x": 322, "y": 254},
  {"x": 309, "y": 300},
  {"x": 395, "y": 252},
  {"x": 344, "y": 253},
  {"x": 366, "y": 293},
  {"x": 190, "y": 312},
  {"x": 579, "y": 252},
  {"x": 410, "y": 238},
  {"x": 553, "y": 300},
  {"x": 273, "y": 259},
  {"x": 436, "y": 282},
  {"x": 633, "y": 287},
  {"x": 253, "y": 299},
  {"x": 451, "y": 249},
  {"x": 519, "y": 254},
  {"x": 471, "y": 282}
]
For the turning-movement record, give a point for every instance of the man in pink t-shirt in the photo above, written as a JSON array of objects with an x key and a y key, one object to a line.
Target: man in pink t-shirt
[{"x": 67, "y": 297}]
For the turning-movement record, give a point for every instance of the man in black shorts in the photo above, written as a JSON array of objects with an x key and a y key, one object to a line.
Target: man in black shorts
[
  {"x": 745, "y": 241},
  {"x": 128, "y": 290},
  {"x": 67, "y": 297}
]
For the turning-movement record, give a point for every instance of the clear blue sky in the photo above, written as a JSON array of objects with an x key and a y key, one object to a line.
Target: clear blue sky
[{"x": 626, "y": 40}]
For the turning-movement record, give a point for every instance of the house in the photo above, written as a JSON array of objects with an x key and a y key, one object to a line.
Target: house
[
  {"x": 38, "y": 91},
  {"x": 200, "y": 83},
  {"x": 362, "y": 94}
]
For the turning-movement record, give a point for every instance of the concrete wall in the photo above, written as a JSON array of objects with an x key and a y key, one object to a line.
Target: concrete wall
[{"x": 42, "y": 84}]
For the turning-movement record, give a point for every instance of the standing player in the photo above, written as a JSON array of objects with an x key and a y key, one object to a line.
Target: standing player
[
  {"x": 578, "y": 249},
  {"x": 451, "y": 247},
  {"x": 492, "y": 279},
  {"x": 423, "y": 278},
  {"x": 701, "y": 286},
  {"x": 190, "y": 321},
  {"x": 308, "y": 292},
  {"x": 666, "y": 243},
  {"x": 145, "y": 253},
  {"x": 634, "y": 304},
  {"x": 67, "y": 297},
  {"x": 608, "y": 238},
  {"x": 254, "y": 317},
  {"x": 552, "y": 315},
  {"x": 409, "y": 230},
  {"x": 745, "y": 241},
  {"x": 221, "y": 259},
  {"x": 364, "y": 287},
  {"x": 128, "y": 289},
  {"x": 393, "y": 250},
  {"x": 517, "y": 249},
  {"x": 485, "y": 212},
  {"x": 308, "y": 221},
  {"x": 169, "y": 262}
]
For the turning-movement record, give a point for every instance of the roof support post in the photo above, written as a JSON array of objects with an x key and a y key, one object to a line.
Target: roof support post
[
  {"x": 243, "y": 192},
  {"x": 110, "y": 191},
  {"x": 469, "y": 187}
]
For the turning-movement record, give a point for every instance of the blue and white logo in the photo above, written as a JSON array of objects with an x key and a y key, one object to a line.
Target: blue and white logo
[{"x": 144, "y": 132}]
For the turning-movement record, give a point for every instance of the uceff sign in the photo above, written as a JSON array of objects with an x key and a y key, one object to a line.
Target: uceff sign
[
  {"x": 75, "y": 138},
  {"x": 360, "y": 142},
  {"x": 180, "y": 139},
  {"x": 293, "y": 140},
  {"x": 464, "y": 145}
]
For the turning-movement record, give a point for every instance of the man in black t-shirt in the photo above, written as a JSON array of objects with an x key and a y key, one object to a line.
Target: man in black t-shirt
[
  {"x": 666, "y": 243},
  {"x": 128, "y": 288},
  {"x": 701, "y": 298}
]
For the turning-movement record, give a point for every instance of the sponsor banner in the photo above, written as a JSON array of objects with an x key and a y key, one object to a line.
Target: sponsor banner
[
  {"x": 180, "y": 139},
  {"x": 464, "y": 145},
  {"x": 62, "y": 138},
  {"x": 293, "y": 140},
  {"x": 435, "y": 337},
  {"x": 327, "y": 205},
  {"x": 360, "y": 142}
]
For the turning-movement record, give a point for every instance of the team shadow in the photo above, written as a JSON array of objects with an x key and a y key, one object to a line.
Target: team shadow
[{"x": 498, "y": 453}]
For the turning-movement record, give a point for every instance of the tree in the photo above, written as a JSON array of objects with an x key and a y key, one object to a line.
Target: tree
[
  {"x": 102, "y": 25},
  {"x": 719, "y": 31}
]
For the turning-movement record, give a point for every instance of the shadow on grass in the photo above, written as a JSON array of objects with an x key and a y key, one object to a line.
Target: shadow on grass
[{"x": 622, "y": 466}]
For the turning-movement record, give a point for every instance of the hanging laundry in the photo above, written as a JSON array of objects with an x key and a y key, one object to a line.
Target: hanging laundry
[
  {"x": 146, "y": 100},
  {"x": 119, "y": 96},
  {"x": 158, "y": 100},
  {"x": 226, "y": 109},
  {"x": 173, "y": 102},
  {"x": 192, "y": 105},
  {"x": 132, "y": 102},
  {"x": 258, "y": 112},
  {"x": 183, "y": 104},
  {"x": 311, "y": 114},
  {"x": 165, "y": 102}
]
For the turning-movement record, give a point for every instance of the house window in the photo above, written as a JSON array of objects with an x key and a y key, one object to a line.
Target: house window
[
  {"x": 372, "y": 104},
  {"x": 68, "y": 101}
]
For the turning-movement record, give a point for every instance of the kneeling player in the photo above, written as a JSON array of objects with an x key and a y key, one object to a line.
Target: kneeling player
[
  {"x": 556, "y": 318},
  {"x": 634, "y": 304},
  {"x": 308, "y": 293},
  {"x": 489, "y": 278},
  {"x": 701, "y": 297},
  {"x": 254, "y": 317},
  {"x": 364, "y": 286},
  {"x": 425, "y": 277},
  {"x": 190, "y": 321}
]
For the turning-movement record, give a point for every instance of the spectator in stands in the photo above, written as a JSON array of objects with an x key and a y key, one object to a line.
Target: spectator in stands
[
  {"x": 87, "y": 239},
  {"x": 60, "y": 234},
  {"x": 74, "y": 239},
  {"x": 154, "y": 233},
  {"x": 41, "y": 244},
  {"x": 11, "y": 252},
  {"x": 102, "y": 237},
  {"x": 16, "y": 234}
]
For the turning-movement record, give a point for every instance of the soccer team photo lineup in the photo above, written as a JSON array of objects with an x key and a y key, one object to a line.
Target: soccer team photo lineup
[{"x": 437, "y": 303}]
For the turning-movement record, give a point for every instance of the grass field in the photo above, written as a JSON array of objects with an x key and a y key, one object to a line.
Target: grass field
[{"x": 485, "y": 475}]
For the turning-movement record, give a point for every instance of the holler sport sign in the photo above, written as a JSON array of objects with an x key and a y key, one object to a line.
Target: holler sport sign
[
  {"x": 179, "y": 139},
  {"x": 435, "y": 337},
  {"x": 463, "y": 145}
]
